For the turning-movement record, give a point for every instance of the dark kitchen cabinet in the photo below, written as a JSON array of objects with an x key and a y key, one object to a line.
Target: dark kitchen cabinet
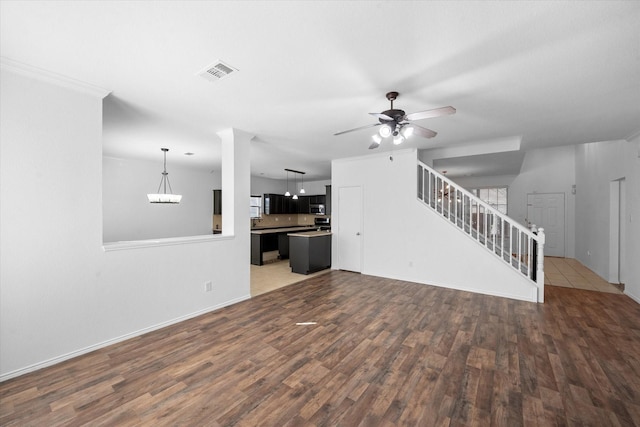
[
  {"x": 309, "y": 254},
  {"x": 270, "y": 204},
  {"x": 279, "y": 204},
  {"x": 320, "y": 199},
  {"x": 303, "y": 205},
  {"x": 217, "y": 202},
  {"x": 327, "y": 204}
]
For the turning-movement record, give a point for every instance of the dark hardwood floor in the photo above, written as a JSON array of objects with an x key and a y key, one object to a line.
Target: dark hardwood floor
[{"x": 383, "y": 353}]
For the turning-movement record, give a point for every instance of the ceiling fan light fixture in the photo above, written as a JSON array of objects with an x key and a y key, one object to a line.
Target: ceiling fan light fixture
[
  {"x": 385, "y": 131},
  {"x": 377, "y": 139},
  {"x": 398, "y": 139},
  {"x": 407, "y": 131}
]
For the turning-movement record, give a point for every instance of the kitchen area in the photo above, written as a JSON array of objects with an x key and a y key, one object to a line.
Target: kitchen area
[
  {"x": 290, "y": 239},
  {"x": 290, "y": 236}
]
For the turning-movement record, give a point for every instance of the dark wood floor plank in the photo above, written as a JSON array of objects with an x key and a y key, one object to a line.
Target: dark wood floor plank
[{"x": 382, "y": 353}]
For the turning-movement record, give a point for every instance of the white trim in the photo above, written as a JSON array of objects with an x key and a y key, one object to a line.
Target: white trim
[
  {"x": 487, "y": 146},
  {"x": 633, "y": 297},
  {"x": 80, "y": 352},
  {"x": 51, "y": 77},
  {"x": 533, "y": 290},
  {"x": 152, "y": 243}
]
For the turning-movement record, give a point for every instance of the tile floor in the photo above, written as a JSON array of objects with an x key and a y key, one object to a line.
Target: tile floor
[
  {"x": 565, "y": 272},
  {"x": 275, "y": 274},
  {"x": 570, "y": 273}
]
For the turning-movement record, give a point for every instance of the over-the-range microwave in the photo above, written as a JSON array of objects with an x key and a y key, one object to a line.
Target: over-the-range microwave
[{"x": 316, "y": 209}]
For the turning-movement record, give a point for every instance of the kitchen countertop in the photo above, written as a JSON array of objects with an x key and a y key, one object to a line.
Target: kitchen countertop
[
  {"x": 281, "y": 229},
  {"x": 315, "y": 233}
]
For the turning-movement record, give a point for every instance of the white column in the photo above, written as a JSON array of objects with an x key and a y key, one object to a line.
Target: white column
[{"x": 236, "y": 182}]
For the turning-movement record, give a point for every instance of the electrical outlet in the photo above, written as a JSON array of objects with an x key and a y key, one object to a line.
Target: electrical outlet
[{"x": 208, "y": 286}]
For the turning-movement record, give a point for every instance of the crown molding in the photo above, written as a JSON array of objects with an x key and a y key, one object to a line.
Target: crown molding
[{"x": 51, "y": 77}]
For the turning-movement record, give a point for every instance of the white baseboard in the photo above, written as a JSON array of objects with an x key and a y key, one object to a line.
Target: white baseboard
[
  {"x": 633, "y": 297},
  {"x": 80, "y": 352}
]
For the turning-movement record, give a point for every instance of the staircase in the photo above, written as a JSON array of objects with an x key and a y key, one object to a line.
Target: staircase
[{"x": 520, "y": 248}]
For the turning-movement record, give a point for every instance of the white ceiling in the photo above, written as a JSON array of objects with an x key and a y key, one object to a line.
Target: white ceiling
[{"x": 550, "y": 73}]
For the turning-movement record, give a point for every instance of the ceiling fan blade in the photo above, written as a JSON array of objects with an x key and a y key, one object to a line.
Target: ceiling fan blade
[
  {"x": 423, "y": 132},
  {"x": 361, "y": 127},
  {"x": 436, "y": 112},
  {"x": 381, "y": 116}
]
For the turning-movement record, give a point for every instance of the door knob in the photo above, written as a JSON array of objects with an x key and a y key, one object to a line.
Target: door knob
[{"x": 358, "y": 233}]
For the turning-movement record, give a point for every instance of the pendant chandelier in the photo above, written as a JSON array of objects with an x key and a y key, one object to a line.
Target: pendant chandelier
[
  {"x": 295, "y": 177},
  {"x": 164, "y": 197}
]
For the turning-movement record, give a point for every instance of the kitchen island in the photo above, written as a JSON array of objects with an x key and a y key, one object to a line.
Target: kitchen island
[
  {"x": 271, "y": 239},
  {"x": 310, "y": 251}
]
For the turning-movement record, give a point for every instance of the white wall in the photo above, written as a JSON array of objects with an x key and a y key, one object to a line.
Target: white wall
[
  {"x": 547, "y": 170},
  {"x": 597, "y": 164},
  {"x": 471, "y": 182},
  {"x": 261, "y": 185},
  {"x": 61, "y": 294},
  {"x": 403, "y": 239},
  {"x": 128, "y": 215}
]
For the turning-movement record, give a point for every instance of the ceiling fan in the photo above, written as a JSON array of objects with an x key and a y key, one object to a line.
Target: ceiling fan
[{"x": 398, "y": 124}]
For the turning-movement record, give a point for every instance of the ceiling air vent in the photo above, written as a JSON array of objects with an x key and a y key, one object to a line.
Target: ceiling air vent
[{"x": 217, "y": 71}]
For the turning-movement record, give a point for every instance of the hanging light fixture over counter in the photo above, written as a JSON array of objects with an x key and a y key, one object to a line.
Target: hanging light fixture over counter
[
  {"x": 295, "y": 195},
  {"x": 164, "y": 197}
]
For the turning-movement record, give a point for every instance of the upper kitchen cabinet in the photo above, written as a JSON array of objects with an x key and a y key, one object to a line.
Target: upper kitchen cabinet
[
  {"x": 303, "y": 204},
  {"x": 279, "y": 204},
  {"x": 270, "y": 205},
  {"x": 327, "y": 204},
  {"x": 276, "y": 204},
  {"x": 319, "y": 199}
]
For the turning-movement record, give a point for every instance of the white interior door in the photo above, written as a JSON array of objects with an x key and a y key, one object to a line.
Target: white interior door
[
  {"x": 350, "y": 228},
  {"x": 547, "y": 211}
]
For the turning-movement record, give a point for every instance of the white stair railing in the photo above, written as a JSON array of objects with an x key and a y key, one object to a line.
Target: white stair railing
[{"x": 520, "y": 248}]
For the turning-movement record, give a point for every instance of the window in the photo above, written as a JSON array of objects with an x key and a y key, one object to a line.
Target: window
[{"x": 496, "y": 197}]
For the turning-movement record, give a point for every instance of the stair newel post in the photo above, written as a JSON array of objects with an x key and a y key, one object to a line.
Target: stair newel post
[{"x": 540, "y": 265}]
